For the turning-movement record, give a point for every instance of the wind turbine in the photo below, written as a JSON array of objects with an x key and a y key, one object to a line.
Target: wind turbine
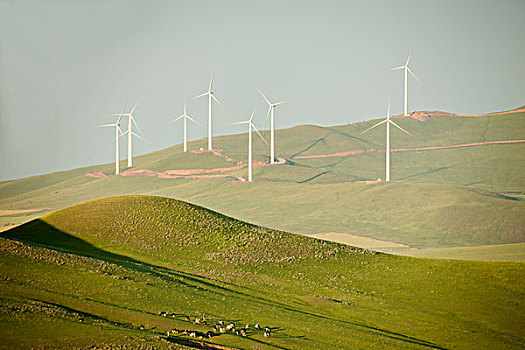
[
  {"x": 185, "y": 117},
  {"x": 118, "y": 132},
  {"x": 271, "y": 107},
  {"x": 250, "y": 126},
  {"x": 210, "y": 95},
  {"x": 405, "y": 67},
  {"x": 388, "y": 121},
  {"x": 130, "y": 132}
]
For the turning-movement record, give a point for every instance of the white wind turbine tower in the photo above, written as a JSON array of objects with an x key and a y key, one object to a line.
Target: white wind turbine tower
[
  {"x": 250, "y": 126},
  {"x": 118, "y": 132},
  {"x": 405, "y": 67},
  {"x": 388, "y": 121},
  {"x": 271, "y": 107},
  {"x": 185, "y": 117},
  {"x": 130, "y": 132},
  {"x": 210, "y": 95}
]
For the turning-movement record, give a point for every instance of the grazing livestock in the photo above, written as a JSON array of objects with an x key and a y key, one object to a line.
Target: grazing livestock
[
  {"x": 142, "y": 327},
  {"x": 266, "y": 334},
  {"x": 257, "y": 326}
]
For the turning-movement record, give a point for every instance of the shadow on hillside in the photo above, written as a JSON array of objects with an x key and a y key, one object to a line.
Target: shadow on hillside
[
  {"x": 427, "y": 172},
  {"x": 314, "y": 177},
  {"x": 322, "y": 139},
  {"x": 40, "y": 233}
]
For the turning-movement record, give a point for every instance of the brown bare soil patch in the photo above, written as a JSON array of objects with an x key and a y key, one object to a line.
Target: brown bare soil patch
[
  {"x": 425, "y": 115},
  {"x": 217, "y": 152},
  {"x": 97, "y": 175}
]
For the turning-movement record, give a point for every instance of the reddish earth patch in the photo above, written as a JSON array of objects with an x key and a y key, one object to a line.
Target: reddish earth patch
[
  {"x": 97, "y": 175},
  {"x": 194, "y": 173},
  {"x": 424, "y": 115},
  {"x": 353, "y": 152},
  {"x": 217, "y": 152}
]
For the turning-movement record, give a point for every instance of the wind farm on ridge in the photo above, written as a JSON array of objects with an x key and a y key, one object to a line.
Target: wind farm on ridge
[
  {"x": 283, "y": 186},
  {"x": 269, "y": 116}
]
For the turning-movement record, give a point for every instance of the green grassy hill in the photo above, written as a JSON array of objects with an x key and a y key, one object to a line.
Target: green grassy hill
[
  {"x": 93, "y": 273},
  {"x": 450, "y": 197}
]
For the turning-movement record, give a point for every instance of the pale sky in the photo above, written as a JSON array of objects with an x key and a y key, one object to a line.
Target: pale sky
[{"x": 66, "y": 64}]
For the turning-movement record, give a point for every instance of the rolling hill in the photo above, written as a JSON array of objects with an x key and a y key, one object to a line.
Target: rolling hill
[
  {"x": 92, "y": 274},
  {"x": 451, "y": 197}
]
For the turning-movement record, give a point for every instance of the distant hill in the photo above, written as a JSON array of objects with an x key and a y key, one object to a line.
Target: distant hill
[
  {"x": 461, "y": 196},
  {"x": 91, "y": 275}
]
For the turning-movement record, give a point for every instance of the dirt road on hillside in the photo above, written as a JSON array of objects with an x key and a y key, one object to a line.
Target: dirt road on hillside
[{"x": 353, "y": 152}]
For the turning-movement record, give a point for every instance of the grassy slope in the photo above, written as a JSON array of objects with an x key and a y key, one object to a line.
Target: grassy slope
[
  {"x": 150, "y": 254},
  {"x": 416, "y": 214},
  {"x": 421, "y": 215},
  {"x": 494, "y": 168}
]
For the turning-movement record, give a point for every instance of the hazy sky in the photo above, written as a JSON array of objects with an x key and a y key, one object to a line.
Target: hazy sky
[{"x": 66, "y": 65}]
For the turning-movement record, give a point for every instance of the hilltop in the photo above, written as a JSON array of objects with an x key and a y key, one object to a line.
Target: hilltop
[
  {"x": 458, "y": 181},
  {"x": 93, "y": 273}
]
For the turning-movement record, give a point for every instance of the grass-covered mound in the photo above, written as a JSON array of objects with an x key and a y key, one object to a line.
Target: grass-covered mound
[{"x": 115, "y": 263}]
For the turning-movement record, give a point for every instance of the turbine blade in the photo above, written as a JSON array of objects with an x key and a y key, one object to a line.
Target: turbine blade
[
  {"x": 267, "y": 116},
  {"x": 100, "y": 126},
  {"x": 204, "y": 94},
  {"x": 136, "y": 125},
  {"x": 193, "y": 120},
  {"x": 279, "y": 103},
  {"x": 140, "y": 137},
  {"x": 400, "y": 128},
  {"x": 211, "y": 82},
  {"x": 219, "y": 102},
  {"x": 174, "y": 120},
  {"x": 135, "y": 106},
  {"x": 408, "y": 59},
  {"x": 388, "y": 113},
  {"x": 258, "y": 133},
  {"x": 263, "y": 96},
  {"x": 414, "y": 75},
  {"x": 370, "y": 128},
  {"x": 238, "y": 123},
  {"x": 124, "y": 108},
  {"x": 253, "y": 113},
  {"x": 397, "y": 68}
]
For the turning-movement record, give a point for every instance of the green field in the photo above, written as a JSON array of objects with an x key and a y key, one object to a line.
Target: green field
[{"x": 93, "y": 273}]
